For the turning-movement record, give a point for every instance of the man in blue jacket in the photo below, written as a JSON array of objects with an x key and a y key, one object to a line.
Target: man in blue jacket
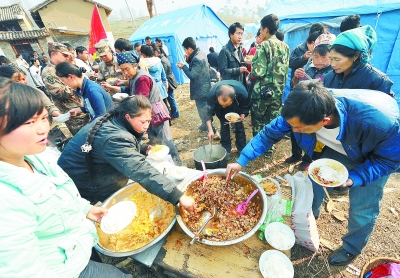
[{"x": 360, "y": 129}]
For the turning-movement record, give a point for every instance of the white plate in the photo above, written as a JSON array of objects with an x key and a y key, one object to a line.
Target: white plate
[
  {"x": 119, "y": 216},
  {"x": 232, "y": 114},
  {"x": 62, "y": 118},
  {"x": 120, "y": 96},
  {"x": 160, "y": 154},
  {"x": 335, "y": 165},
  {"x": 179, "y": 172},
  {"x": 283, "y": 259},
  {"x": 279, "y": 235}
]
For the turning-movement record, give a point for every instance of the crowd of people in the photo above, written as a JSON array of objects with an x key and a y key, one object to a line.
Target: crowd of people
[{"x": 48, "y": 204}]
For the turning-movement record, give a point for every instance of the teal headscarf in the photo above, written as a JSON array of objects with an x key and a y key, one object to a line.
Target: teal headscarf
[{"x": 361, "y": 39}]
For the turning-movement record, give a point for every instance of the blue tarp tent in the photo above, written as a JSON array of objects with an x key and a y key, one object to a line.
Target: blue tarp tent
[
  {"x": 383, "y": 15},
  {"x": 199, "y": 22}
]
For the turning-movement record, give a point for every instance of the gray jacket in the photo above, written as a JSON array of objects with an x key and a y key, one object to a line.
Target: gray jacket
[
  {"x": 198, "y": 74},
  {"x": 168, "y": 72}
]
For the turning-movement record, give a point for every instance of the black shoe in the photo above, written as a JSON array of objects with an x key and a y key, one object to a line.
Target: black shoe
[
  {"x": 292, "y": 159},
  {"x": 341, "y": 257},
  {"x": 303, "y": 166},
  {"x": 268, "y": 153}
]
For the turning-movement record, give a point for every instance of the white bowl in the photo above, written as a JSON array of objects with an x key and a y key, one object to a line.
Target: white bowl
[
  {"x": 164, "y": 165},
  {"x": 119, "y": 216},
  {"x": 275, "y": 264},
  {"x": 120, "y": 96},
  {"x": 227, "y": 115},
  {"x": 160, "y": 154},
  {"x": 179, "y": 172},
  {"x": 62, "y": 118},
  {"x": 339, "y": 169},
  {"x": 279, "y": 235}
]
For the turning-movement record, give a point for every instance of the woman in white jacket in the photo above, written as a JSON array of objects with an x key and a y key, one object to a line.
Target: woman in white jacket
[{"x": 45, "y": 225}]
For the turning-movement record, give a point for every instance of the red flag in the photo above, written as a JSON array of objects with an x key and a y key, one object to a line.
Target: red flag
[{"x": 97, "y": 31}]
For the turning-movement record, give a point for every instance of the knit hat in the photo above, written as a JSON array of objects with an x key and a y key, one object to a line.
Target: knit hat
[
  {"x": 361, "y": 39},
  {"x": 325, "y": 39},
  {"x": 127, "y": 57}
]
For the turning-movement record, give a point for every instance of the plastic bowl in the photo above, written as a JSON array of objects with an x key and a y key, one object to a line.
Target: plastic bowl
[
  {"x": 279, "y": 235},
  {"x": 232, "y": 114},
  {"x": 120, "y": 96},
  {"x": 62, "y": 118},
  {"x": 158, "y": 152},
  {"x": 119, "y": 216},
  {"x": 273, "y": 259},
  {"x": 335, "y": 165},
  {"x": 179, "y": 172}
]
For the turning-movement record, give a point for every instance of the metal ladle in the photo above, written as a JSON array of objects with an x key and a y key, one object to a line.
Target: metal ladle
[
  {"x": 156, "y": 213},
  {"x": 206, "y": 217}
]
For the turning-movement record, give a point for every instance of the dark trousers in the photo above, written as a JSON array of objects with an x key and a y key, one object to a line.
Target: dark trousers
[
  {"x": 226, "y": 136},
  {"x": 172, "y": 103},
  {"x": 297, "y": 151}
]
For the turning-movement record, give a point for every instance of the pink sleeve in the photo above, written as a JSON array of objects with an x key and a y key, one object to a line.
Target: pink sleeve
[{"x": 144, "y": 86}]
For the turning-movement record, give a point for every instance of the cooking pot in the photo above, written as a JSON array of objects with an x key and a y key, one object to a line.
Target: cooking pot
[
  {"x": 214, "y": 157},
  {"x": 243, "y": 180},
  {"x": 120, "y": 195}
]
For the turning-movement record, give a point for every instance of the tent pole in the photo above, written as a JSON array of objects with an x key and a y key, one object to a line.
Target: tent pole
[{"x": 132, "y": 18}]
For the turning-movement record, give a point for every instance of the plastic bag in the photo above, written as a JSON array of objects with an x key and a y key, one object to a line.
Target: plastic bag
[{"x": 303, "y": 221}]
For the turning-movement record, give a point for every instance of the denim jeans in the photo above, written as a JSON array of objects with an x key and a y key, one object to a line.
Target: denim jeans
[
  {"x": 100, "y": 270},
  {"x": 172, "y": 103},
  {"x": 226, "y": 136},
  {"x": 364, "y": 205},
  {"x": 201, "y": 105}
]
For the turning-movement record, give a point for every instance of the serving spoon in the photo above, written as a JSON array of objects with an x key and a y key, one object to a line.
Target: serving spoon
[
  {"x": 206, "y": 216},
  {"x": 242, "y": 207},
  {"x": 156, "y": 213}
]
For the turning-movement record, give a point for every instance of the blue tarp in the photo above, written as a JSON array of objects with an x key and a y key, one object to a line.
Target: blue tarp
[
  {"x": 199, "y": 22},
  {"x": 297, "y": 17}
]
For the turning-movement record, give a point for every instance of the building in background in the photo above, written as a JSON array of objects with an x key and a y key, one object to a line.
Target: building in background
[
  {"x": 69, "y": 20},
  {"x": 18, "y": 34}
]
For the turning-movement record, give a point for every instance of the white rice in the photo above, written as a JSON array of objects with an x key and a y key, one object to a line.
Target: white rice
[
  {"x": 275, "y": 267},
  {"x": 329, "y": 174},
  {"x": 279, "y": 238}
]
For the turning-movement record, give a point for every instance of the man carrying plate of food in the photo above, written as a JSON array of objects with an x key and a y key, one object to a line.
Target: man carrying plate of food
[
  {"x": 229, "y": 101},
  {"x": 360, "y": 129}
]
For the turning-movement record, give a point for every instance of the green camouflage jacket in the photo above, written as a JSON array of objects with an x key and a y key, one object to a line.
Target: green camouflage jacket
[
  {"x": 63, "y": 96},
  {"x": 273, "y": 76},
  {"x": 109, "y": 70}
]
